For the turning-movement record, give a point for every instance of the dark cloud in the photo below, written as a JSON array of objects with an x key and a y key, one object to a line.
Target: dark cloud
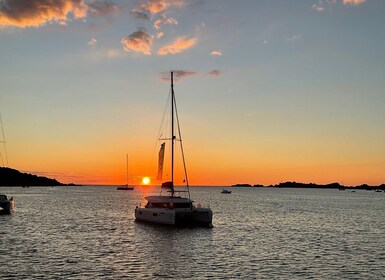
[
  {"x": 139, "y": 14},
  {"x": 102, "y": 7},
  {"x": 138, "y": 41},
  {"x": 35, "y": 13},
  {"x": 214, "y": 72},
  {"x": 178, "y": 74}
]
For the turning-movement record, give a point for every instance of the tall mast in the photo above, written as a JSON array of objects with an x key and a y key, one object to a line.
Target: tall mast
[
  {"x": 172, "y": 133},
  {"x": 127, "y": 169}
]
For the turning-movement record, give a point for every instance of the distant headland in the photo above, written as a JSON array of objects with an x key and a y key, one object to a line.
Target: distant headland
[
  {"x": 314, "y": 186},
  {"x": 12, "y": 177}
]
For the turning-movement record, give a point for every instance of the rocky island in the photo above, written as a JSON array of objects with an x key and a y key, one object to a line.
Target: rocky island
[
  {"x": 314, "y": 186},
  {"x": 12, "y": 177}
]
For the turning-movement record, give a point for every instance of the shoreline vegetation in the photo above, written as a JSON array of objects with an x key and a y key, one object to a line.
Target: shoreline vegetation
[
  {"x": 13, "y": 178},
  {"x": 314, "y": 186}
]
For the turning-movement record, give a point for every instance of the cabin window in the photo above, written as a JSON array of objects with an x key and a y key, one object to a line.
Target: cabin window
[{"x": 182, "y": 205}]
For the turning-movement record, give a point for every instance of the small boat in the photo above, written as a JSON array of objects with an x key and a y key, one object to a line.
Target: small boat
[
  {"x": 173, "y": 209},
  {"x": 225, "y": 191},
  {"x": 126, "y": 187},
  {"x": 6, "y": 204}
]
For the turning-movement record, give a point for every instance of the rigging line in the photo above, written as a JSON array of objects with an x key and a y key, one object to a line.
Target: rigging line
[
  {"x": 181, "y": 147},
  {"x": 4, "y": 142},
  {"x": 160, "y": 129}
]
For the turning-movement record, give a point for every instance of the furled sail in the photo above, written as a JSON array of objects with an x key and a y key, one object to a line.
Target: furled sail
[{"x": 160, "y": 162}]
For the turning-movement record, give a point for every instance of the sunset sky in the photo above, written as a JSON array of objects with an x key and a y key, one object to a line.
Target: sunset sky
[{"x": 268, "y": 91}]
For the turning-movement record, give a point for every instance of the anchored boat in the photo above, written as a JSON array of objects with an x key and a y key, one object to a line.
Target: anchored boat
[
  {"x": 6, "y": 204},
  {"x": 177, "y": 207},
  {"x": 126, "y": 187}
]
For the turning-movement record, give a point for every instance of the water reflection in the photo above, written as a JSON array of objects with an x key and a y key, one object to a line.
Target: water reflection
[{"x": 90, "y": 232}]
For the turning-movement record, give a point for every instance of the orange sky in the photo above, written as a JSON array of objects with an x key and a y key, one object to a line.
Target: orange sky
[{"x": 267, "y": 91}]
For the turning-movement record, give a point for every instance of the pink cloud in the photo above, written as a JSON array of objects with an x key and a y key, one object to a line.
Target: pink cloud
[
  {"x": 92, "y": 42},
  {"x": 353, "y": 2},
  {"x": 163, "y": 21},
  {"x": 216, "y": 53},
  {"x": 157, "y": 24},
  {"x": 178, "y": 46},
  {"x": 154, "y": 6},
  {"x": 159, "y": 35},
  {"x": 147, "y": 8},
  {"x": 139, "y": 41},
  {"x": 21, "y": 13}
]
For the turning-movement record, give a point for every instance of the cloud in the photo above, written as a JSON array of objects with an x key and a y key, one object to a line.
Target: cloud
[
  {"x": 294, "y": 38},
  {"x": 139, "y": 41},
  {"x": 353, "y": 2},
  {"x": 21, "y": 13},
  {"x": 164, "y": 21},
  {"x": 102, "y": 7},
  {"x": 148, "y": 8},
  {"x": 159, "y": 35},
  {"x": 92, "y": 42},
  {"x": 178, "y": 46},
  {"x": 157, "y": 24},
  {"x": 154, "y": 6},
  {"x": 214, "y": 72},
  {"x": 216, "y": 53},
  {"x": 178, "y": 74},
  {"x": 319, "y": 7},
  {"x": 323, "y": 4},
  {"x": 113, "y": 53},
  {"x": 140, "y": 14}
]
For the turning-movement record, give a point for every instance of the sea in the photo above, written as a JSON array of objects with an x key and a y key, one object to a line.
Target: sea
[{"x": 89, "y": 232}]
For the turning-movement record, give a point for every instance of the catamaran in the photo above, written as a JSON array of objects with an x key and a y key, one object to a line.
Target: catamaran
[{"x": 175, "y": 208}]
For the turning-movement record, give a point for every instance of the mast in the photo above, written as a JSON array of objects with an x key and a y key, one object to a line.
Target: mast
[
  {"x": 172, "y": 133},
  {"x": 127, "y": 169}
]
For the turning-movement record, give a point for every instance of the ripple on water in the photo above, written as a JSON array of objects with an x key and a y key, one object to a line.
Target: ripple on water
[{"x": 90, "y": 232}]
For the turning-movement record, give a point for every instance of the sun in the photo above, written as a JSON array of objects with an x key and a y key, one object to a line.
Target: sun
[{"x": 146, "y": 180}]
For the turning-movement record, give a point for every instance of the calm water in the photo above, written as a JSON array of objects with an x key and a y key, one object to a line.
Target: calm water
[{"x": 90, "y": 232}]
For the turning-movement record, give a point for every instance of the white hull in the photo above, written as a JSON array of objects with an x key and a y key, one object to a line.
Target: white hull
[
  {"x": 155, "y": 215},
  {"x": 181, "y": 216}
]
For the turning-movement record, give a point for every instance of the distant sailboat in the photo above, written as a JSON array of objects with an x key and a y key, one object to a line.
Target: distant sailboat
[
  {"x": 173, "y": 209},
  {"x": 126, "y": 187}
]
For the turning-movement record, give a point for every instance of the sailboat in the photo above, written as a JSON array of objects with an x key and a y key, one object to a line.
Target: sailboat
[
  {"x": 126, "y": 187},
  {"x": 173, "y": 209}
]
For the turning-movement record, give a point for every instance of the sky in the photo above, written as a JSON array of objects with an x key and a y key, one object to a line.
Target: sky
[{"x": 268, "y": 91}]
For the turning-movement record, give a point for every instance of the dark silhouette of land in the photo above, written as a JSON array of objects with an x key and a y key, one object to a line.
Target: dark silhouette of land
[
  {"x": 314, "y": 186},
  {"x": 13, "y": 177}
]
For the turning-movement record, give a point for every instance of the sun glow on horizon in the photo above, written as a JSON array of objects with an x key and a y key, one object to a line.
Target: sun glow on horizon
[{"x": 146, "y": 180}]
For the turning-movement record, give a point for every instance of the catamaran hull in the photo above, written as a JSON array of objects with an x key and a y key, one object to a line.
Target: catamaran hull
[
  {"x": 196, "y": 216},
  {"x": 154, "y": 215}
]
